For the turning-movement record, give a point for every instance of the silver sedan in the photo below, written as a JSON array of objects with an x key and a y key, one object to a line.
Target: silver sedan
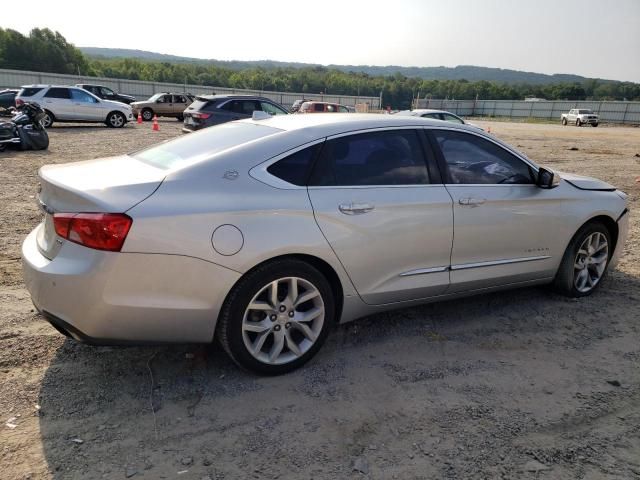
[{"x": 264, "y": 233}]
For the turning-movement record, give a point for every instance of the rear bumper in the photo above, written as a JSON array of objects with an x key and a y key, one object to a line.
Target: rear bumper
[{"x": 126, "y": 298}]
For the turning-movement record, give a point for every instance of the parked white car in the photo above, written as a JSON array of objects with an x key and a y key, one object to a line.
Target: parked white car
[
  {"x": 63, "y": 103},
  {"x": 578, "y": 116}
]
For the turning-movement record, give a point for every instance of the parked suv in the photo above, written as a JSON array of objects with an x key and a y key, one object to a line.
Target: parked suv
[
  {"x": 64, "y": 103},
  {"x": 106, "y": 93},
  {"x": 163, "y": 105},
  {"x": 321, "y": 107},
  {"x": 208, "y": 110}
]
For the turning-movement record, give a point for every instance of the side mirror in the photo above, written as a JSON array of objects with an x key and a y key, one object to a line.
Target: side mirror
[{"x": 547, "y": 178}]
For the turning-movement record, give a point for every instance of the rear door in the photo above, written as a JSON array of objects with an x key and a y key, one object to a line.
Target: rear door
[
  {"x": 506, "y": 228},
  {"x": 385, "y": 214},
  {"x": 58, "y": 101},
  {"x": 180, "y": 103}
]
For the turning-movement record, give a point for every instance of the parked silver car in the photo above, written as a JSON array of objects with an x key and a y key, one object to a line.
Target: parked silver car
[
  {"x": 64, "y": 103},
  {"x": 436, "y": 115},
  {"x": 265, "y": 232}
]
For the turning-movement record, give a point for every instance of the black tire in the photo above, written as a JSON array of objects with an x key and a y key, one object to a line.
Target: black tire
[
  {"x": 48, "y": 119},
  {"x": 564, "y": 281},
  {"x": 564, "y": 121},
  {"x": 147, "y": 114},
  {"x": 578, "y": 122},
  {"x": 229, "y": 328},
  {"x": 180, "y": 118},
  {"x": 594, "y": 124},
  {"x": 115, "y": 120}
]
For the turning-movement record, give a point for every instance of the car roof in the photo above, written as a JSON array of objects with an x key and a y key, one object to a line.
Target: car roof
[
  {"x": 421, "y": 111},
  {"x": 324, "y": 124},
  {"x": 231, "y": 96}
]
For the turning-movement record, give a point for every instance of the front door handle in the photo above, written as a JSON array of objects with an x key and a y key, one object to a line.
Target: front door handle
[
  {"x": 355, "y": 208},
  {"x": 472, "y": 202}
]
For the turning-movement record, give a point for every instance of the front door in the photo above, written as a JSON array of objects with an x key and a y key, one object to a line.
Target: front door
[
  {"x": 506, "y": 229},
  {"x": 390, "y": 226},
  {"x": 86, "y": 106}
]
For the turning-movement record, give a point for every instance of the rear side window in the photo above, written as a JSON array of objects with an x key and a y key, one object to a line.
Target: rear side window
[
  {"x": 474, "y": 160},
  {"x": 56, "y": 92},
  {"x": 295, "y": 168},
  {"x": 392, "y": 157},
  {"x": 193, "y": 148},
  {"x": 29, "y": 91}
]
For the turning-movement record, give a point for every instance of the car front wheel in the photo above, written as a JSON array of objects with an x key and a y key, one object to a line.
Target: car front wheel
[
  {"x": 564, "y": 121},
  {"x": 147, "y": 114},
  {"x": 585, "y": 261},
  {"x": 116, "y": 120},
  {"x": 277, "y": 317}
]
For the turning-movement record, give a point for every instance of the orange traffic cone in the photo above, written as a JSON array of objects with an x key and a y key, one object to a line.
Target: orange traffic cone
[
  {"x": 139, "y": 117},
  {"x": 156, "y": 127}
]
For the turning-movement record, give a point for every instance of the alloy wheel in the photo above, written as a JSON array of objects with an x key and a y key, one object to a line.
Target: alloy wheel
[
  {"x": 283, "y": 320},
  {"x": 590, "y": 262}
]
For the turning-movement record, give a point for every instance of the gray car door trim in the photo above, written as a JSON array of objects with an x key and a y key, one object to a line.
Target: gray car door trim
[
  {"x": 499, "y": 262},
  {"x": 423, "y": 271}
]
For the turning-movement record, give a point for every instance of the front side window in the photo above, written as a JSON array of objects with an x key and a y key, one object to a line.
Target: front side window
[
  {"x": 474, "y": 160},
  {"x": 81, "y": 96},
  {"x": 435, "y": 116},
  {"x": 107, "y": 92},
  {"x": 391, "y": 157},
  {"x": 56, "y": 92},
  {"x": 271, "y": 109},
  {"x": 318, "y": 107}
]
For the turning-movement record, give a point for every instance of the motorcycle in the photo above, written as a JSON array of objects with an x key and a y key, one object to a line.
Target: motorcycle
[{"x": 24, "y": 128}]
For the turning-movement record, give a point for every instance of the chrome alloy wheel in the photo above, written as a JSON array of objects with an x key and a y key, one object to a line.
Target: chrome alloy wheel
[
  {"x": 591, "y": 262},
  {"x": 116, "y": 120},
  {"x": 283, "y": 320}
]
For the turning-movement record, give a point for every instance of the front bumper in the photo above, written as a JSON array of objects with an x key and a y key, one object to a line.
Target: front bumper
[
  {"x": 623, "y": 232},
  {"x": 124, "y": 298}
]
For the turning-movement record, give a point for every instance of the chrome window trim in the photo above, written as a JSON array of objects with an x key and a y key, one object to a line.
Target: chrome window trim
[{"x": 464, "y": 266}]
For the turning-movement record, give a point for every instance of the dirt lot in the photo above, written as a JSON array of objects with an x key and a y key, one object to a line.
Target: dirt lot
[{"x": 526, "y": 384}]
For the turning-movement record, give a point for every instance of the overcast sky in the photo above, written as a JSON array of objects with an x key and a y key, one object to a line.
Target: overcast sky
[{"x": 594, "y": 38}]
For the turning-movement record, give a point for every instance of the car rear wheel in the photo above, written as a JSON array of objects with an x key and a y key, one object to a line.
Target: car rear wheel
[
  {"x": 277, "y": 317},
  {"x": 585, "y": 261},
  {"x": 180, "y": 118},
  {"x": 116, "y": 120},
  {"x": 147, "y": 114},
  {"x": 564, "y": 121},
  {"x": 594, "y": 124},
  {"x": 47, "y": 120}
]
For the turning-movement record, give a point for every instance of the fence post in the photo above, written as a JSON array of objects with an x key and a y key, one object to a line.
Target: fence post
[
  {"x": 531, "y": 110},
  {"x": 624, "y": 116}
]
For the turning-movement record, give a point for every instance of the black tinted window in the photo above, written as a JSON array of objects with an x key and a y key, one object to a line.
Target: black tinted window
[
  {"x": 29, "y": 92},
  {"x": 245, "y": 107},
  {"x": 474, "y": 160},
  {"x": 57, "y": 93},
  {"x": 295, "y": 168},
  {"x": 377, "y": 158}
]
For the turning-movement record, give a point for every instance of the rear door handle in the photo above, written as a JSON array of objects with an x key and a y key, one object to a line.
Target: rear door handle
[
  {"x": 355, "y": 208},
  {"x": 472, "y": 202}
]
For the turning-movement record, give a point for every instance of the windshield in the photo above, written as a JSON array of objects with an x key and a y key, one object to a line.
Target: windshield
[
  {"x": 585, "y": 111},
  {"x": 153, "y": 98},
  {"x": 202, "y": 145}
]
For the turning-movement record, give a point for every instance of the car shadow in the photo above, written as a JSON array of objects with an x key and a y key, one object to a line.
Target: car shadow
[{"x": 116, "y": 412}]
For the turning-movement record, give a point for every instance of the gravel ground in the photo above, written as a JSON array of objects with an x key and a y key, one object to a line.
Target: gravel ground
[{"x": 526, "y": 384}]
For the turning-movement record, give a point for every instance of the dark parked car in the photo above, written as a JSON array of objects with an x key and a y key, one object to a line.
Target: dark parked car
[
  {"x": 208, "y": 110},
  {"x": 8, "y": 98},
  {"x": 106, "y": 93}
]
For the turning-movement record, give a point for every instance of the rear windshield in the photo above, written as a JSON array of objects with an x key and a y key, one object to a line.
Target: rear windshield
[
  {"x": 201, "y": 103},
  {"x": 201, "y": 145},
  {"x": 29, "y": 91}
]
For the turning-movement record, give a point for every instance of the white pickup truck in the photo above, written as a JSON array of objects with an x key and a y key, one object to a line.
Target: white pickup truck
[{"x": 580, "y": 116}]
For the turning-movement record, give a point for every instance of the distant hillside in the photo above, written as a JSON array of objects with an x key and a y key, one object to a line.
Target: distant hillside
[{"x": 467, "y": 72}]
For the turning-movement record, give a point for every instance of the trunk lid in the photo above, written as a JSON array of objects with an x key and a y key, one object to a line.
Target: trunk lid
[{"x": 111, "y": 185}]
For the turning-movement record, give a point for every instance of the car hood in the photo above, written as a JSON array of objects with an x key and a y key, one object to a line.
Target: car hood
[
  {"x": 118, "y": 105},
  {"x": 586, "y": 183}
]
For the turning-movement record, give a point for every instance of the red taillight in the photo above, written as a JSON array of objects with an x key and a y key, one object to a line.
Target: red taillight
[
  {"x": 19, "y": 102},
  {"x": 202, "y": 116},
  {"x": 102, "y": 231}
]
